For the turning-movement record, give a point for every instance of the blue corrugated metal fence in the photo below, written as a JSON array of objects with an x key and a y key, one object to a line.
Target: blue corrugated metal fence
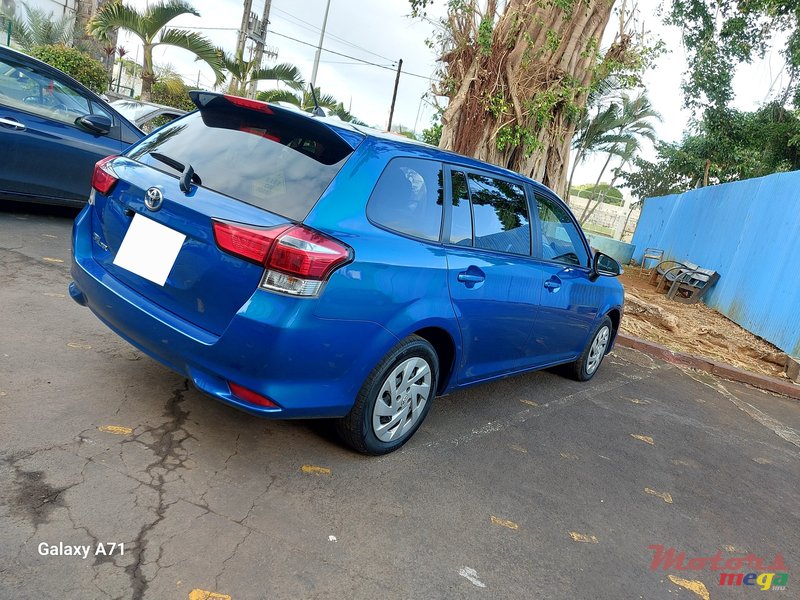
[{"x": 748, "y": 231}]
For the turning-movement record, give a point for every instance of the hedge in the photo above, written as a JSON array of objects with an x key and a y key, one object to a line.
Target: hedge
[{"x": 76, "y": 64}]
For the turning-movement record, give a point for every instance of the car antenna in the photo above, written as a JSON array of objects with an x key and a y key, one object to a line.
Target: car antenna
[{"x": 317, "y": 108}]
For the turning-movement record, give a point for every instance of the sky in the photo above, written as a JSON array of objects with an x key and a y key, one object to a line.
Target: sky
[
  {"x": 381, "y": 32},
  {"x": 376, "y": 32}
]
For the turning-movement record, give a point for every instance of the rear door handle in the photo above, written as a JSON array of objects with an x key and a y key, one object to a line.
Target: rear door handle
[
  {"x": 465, "y": 277},
  {"x": 552, "y": 285},
  {"x": 9, "y": 122}
]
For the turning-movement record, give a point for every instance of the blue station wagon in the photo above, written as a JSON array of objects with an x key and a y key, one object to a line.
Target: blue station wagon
[{"x": 295, "y": 267}]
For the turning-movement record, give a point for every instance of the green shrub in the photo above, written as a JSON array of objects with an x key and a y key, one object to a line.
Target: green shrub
[
  {"x": 172, "y": 94},
  {"x": 76, "y": 64}
]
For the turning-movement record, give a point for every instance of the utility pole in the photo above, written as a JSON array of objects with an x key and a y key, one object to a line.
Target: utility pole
[
  {"x": 319, "y": 47},
  {"x": 394, "y": 94},
  {"x": 261, "y": 40},
  {"x": 242, "y": 39}
]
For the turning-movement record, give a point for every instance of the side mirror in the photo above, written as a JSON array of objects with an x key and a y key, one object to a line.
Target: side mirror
[
  {"x": 97, "y": 124},
  {"x": 603, "y": 264}
]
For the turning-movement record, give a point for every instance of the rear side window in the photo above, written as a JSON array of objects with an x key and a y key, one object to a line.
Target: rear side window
[
  {"x": 282, "y": 164},
  {"x": 500, "y": 215},
  {"x": 409, "y": 198}
]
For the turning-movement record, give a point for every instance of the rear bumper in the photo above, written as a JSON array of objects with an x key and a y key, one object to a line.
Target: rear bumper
[{"x": 274, "y": 346}]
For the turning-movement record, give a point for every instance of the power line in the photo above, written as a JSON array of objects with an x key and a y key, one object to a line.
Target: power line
[
  {"x": 288, "y": 37},
  {"x": 330, "y": 35},
  {"x": 391, "y": 67},
  {"x": 350, "y": 62},
  {"x": 388, "y": 68},
  {"x": 208, "y": 28}
]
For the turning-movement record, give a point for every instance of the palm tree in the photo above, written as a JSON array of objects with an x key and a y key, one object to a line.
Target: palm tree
[
  {"x": 150, "y": 26},
  {"x": 244, "y": 72},
  {"x": 303, "y": 100},
  {"x": 592, "y": 134},
  {"x": 633, "y": 124},
  {"x": 40, "y": 28}
]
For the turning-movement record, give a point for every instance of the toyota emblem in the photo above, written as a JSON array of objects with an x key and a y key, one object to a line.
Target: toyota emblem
[{"x": 153, "y": 198}]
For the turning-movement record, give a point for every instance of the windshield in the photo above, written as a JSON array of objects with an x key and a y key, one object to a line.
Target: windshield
[
  {"x": 268, "y": 161},
  {"x": 132, "y": 110}
]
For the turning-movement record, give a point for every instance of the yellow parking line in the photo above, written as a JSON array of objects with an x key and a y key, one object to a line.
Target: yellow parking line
[
  {"x": 583, "y": 538},
  {"x": 692, "y": 585},
  {"x": 204, "y": 595},
  {"x": 79, "y": 346},
  {"x": 638, "y": 401},
  {"x": 645, "y": 438},
  {"x": 665, "y": 496},
  {"x": 504, "y": 523},
  {"x": 52, "y": 260},
  {"x": 116, "y": 429},
  {"x": 569, "y": 456},
  {"x": 312, "y": 470},
  {"x": 518, "y": 449},
  {"x": 530, "y": 402}
]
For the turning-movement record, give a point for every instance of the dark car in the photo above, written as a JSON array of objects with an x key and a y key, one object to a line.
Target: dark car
[
  {"x": 147, "y": 115},
  {"x": 52, "y": 132},
  {"x": 295, "y": 267}
]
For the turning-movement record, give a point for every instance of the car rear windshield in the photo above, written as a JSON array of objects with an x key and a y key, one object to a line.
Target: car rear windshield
[{"x": 278, "y": 163}]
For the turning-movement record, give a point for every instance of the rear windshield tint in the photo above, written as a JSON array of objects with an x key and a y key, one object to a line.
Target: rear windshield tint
[{"x": 280, "y": 164}]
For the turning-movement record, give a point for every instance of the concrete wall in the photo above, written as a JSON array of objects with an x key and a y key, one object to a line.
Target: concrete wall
[
  {"x": 57, "y": 7},
  {"x": 748, "y": 231}
]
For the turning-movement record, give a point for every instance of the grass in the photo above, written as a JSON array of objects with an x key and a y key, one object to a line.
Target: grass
[{"x": 598, "y": 229}]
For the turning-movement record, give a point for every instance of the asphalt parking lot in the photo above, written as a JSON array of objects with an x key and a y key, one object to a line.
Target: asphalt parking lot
[{"x": 532, "y": 487}]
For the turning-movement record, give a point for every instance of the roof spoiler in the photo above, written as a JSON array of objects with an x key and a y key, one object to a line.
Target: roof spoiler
[{"x": 205, "y": 100}]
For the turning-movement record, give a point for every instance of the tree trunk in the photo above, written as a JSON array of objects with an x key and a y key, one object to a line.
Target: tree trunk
[
  {"x": 516, "y": 103},
  {"x": 148, "y": 76}
]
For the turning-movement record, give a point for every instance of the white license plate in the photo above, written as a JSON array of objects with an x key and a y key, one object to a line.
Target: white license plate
[{"x": 149, "y": 249}]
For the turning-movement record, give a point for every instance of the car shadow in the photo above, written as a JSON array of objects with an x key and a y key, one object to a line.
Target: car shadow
[{"x": 37, "y": 209}]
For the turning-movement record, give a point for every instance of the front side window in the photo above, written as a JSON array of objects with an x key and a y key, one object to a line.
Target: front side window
[
  {"x": 409, "y": 198},
  {"x": 561, "y": 241},
  {"x": 500, "y": 215},
  {"x": 30, "y": 90}
]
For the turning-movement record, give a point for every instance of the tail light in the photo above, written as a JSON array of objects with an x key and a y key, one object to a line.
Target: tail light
[
  {"x": 248, "y": 103},
  {"x": 298, "y": 260},
  {"x": 104, "y": 177},
  {"x": 246, "y": 242}
]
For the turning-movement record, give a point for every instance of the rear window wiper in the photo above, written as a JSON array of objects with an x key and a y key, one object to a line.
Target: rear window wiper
[{"x": 187, "y": 172}]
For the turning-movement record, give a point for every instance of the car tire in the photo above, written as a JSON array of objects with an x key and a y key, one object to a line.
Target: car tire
[
  {"x": 387, "y": 411},
  {"x": 587, "y": 364}
]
